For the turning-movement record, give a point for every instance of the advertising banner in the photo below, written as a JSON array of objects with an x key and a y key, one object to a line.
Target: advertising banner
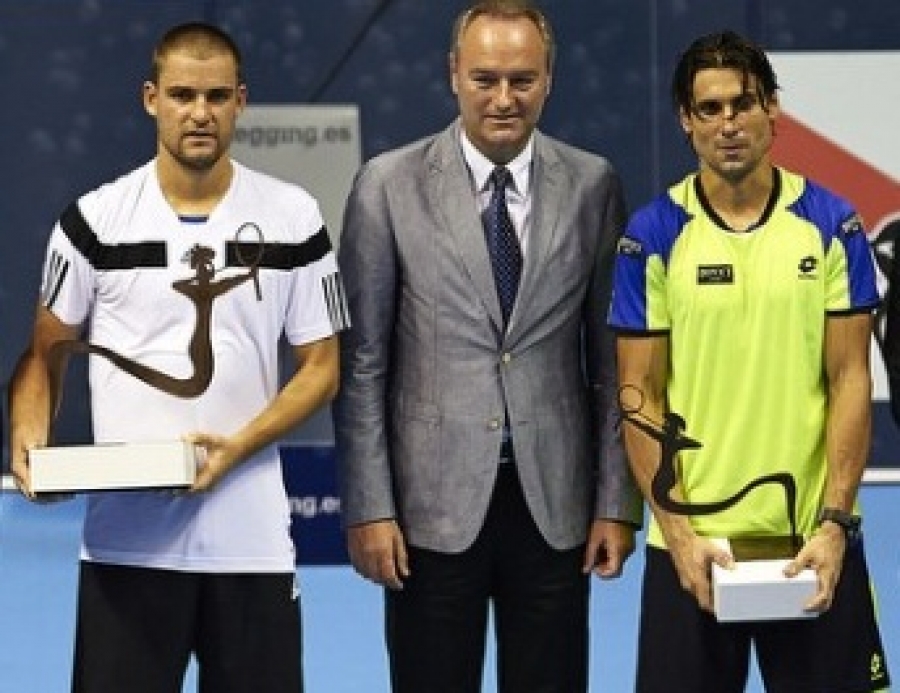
[
  {"x": 317, "y": 147},
  {"x": 837, "y": 128}
]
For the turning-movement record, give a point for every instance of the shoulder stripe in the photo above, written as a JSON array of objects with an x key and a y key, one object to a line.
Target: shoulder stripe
[
  {"x": 338, "y": 311},
  {"x": 101, "y": 256},
  {"x": 57, "y": 269},
  {"x": 278, "y": 256}
]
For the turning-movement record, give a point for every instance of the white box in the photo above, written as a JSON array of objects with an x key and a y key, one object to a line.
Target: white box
[
  {"x": 112, "y": 466},
  {"x": 757, "y": 590}
]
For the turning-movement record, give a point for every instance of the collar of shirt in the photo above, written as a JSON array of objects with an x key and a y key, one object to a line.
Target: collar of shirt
[
  {"x": 481, "y": 167},
  {"x": 517, "y": 195}
]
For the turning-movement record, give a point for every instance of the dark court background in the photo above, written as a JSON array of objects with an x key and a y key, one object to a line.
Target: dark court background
[{"x": 71, "y": 74}]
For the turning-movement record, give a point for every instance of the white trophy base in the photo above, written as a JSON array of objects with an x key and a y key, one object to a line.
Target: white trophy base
[
  {"x": 757, "y": 590},
  {"x": 112, "y": 466}
]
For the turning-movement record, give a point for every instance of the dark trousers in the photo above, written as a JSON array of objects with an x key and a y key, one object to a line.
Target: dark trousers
[
  {"x": 436, "y": 625},
  {"x": 137, "y": 628},
  {"x": 682, "y": 649}
]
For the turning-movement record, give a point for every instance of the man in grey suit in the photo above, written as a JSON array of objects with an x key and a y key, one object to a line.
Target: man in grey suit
[{"x": 479, "y": 458}]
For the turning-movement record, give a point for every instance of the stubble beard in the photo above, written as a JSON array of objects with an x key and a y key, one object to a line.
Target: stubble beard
[{"x": 198, "y": 163}]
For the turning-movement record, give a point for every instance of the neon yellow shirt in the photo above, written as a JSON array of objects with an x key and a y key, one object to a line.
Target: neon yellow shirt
[{"x": 745, "y": 314}]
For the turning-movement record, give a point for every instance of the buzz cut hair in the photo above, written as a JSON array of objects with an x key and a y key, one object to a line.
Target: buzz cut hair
[{"x": 198, "y": 38}]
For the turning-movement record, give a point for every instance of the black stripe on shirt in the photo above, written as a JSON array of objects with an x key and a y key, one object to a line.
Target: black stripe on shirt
[
  {"x": 121, "y": 256},
  {"x": 278, "y": 256}
]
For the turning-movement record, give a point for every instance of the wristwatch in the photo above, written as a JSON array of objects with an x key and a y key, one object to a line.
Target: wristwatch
[{"x": 848, "y": 522}]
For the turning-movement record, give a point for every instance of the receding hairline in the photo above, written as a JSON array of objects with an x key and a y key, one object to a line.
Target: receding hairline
[{"x": 508, "y": 10}]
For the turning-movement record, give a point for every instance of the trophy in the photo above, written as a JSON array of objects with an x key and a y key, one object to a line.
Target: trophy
[
  {"x": 755, "y": 589},
  {"x": 155, "y": 464}
]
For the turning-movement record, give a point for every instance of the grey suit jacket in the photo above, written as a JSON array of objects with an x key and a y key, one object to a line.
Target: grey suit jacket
[{"x": 427, "y": 370}]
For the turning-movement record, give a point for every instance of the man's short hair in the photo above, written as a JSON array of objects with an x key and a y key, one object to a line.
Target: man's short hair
[
  {"x": 197, "y": 37},
  {"x": 507, "y": 9}
]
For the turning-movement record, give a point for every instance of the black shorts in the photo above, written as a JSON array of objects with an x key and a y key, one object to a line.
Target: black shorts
[
  {"x": 137, "y": 629},
  {"x": 682, "y": 649}
]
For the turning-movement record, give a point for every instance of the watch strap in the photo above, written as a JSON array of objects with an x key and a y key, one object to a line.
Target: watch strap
[{"x": 848, "y": 522}]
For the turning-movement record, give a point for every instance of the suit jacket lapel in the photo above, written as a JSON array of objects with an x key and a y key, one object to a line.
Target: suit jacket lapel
[
  {"x": 449, "y": 188},
  {"x": 547, "y": 192}
]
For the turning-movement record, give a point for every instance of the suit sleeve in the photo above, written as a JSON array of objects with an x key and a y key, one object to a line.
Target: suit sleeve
[
  {"x": 617, "y": 495},
  {"x": 367, "y": 261}
]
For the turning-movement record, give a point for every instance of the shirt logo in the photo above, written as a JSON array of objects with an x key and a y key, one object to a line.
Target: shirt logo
[
  {"x": 852, "y": 225},
  {"x": 808, "y": 267},
  {"x": 876, "y": 668},
  {"x": 629, "y": 246},
  {"x": 715, "y": 274}
]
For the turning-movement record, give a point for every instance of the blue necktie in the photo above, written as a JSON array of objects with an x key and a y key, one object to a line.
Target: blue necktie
[{"x": 503, "y": 246}]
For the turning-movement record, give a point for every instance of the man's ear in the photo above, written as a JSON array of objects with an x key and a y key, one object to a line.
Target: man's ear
[
  {"x": 685, "y": 119},
  {"x": 773, "y": 108},
  {"x": 241, "y": 98},
  {"x": 149, "y": 94},
  {"x": 451, "y": 66}
]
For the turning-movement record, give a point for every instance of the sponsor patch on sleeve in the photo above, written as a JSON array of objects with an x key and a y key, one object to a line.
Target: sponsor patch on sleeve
[
  {"x": 852, "y": 225},
  {"x": 629, "y": 246}
]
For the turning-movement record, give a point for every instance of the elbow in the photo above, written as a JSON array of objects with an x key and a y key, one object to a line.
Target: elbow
[
  {"x": 331, "y": 382},
  {"x": 332, "y": 387}
]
